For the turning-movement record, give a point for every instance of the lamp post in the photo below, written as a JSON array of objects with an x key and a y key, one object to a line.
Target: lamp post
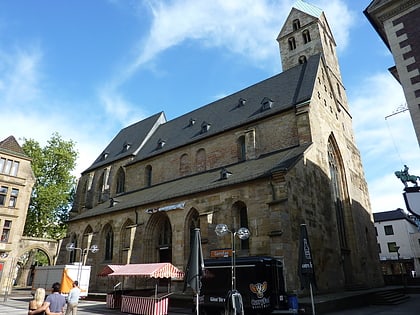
[
  {"x": 243, "y": 234},
  {"x": 83, "y": 252},
  {"x": 397, "y": 248}
]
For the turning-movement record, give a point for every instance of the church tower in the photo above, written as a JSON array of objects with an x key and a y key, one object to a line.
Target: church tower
[{"x": 306, "y": 33}]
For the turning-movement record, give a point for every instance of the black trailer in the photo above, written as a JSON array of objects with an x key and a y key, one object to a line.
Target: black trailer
[{"x": 259, "y": 280}]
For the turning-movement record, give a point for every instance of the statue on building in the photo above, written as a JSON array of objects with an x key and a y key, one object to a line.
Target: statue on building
[{"x": 405, "y": 177}]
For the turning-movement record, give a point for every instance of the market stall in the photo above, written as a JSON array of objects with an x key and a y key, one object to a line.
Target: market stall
[
  {"x": 113, "y": 299},
  {"x": 147, "y": 302}
]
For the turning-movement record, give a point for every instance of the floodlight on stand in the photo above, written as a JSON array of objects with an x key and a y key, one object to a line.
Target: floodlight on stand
[
  {"x": 70, "y": 247},
  {"x": 243, "y": 233},
  {"x": 94, "y": 248},
  {"x": 221, "y": 229}
]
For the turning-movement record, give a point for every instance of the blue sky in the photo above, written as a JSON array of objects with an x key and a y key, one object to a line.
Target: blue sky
[{"x": 86, "y": 69}]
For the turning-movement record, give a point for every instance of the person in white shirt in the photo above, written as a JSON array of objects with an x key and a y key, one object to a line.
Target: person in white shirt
[{"x": 73, "y": 299}]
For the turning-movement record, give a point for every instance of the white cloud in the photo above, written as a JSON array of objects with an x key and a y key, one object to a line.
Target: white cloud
[
  {"x": 385, "y": 144},
  {"x": 340, "y": 18},
  {"x": 19, "y": 76},
  {"x": 245, "y": 28}
]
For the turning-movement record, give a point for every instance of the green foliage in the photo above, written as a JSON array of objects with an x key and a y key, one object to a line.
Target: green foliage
[{"x": 54, "y": 187}]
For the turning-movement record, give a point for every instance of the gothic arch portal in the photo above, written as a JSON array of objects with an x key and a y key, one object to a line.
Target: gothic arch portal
[
  {"x": 158, "y": 239},
  {"x": 192, "y": 221}
]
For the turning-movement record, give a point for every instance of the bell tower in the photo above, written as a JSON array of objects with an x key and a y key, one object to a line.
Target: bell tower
[{"x": 306, "y": 33}]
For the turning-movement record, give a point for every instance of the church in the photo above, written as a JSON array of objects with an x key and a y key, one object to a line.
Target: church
[{"x": 270, "y": 157}]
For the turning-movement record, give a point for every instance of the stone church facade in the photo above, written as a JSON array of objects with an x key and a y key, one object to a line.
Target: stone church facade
[{"x": 270, "y": 157}]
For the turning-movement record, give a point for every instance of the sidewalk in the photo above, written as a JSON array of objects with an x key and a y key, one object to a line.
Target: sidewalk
[{"x": 18, "y": 305}]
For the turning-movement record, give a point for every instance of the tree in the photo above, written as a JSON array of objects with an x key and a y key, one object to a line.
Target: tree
[{"x": 54, "y": 188}]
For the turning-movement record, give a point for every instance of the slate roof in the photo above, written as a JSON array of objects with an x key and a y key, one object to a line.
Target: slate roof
[
  {"x": 397, "y": 214},
  {"x": 134, "y": 135},
  {"x": 11, "y": 146},
  {"x": 182, "y": 187},
  {"x": 285, "y": 90}
]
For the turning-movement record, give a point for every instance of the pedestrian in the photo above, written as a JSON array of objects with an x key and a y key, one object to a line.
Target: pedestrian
[
  {"x": 53, "y": 304},
  {"x": 38, "y": 300},
  {"x": 73, "y": 299}
]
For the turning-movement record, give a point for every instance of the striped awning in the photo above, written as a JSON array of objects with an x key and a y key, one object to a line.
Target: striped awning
[
  {"x": 108, "y": 269},
  {"x": 156, "y": 270}
]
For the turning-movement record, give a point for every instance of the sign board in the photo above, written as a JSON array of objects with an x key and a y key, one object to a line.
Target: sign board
[
  {"x": 219, "y": 253},
  {"x": 412, "y": 199}
]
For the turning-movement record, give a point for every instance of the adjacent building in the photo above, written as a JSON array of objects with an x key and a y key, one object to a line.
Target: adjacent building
[
  {"x": 398, "y": 242},
  {"x": 269, "y": 157},
  {"x": 397, "y": 23},
  {"x": 16, "y": 182}
]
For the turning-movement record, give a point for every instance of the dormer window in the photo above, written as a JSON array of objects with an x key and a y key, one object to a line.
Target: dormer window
[
  {"x": 241, "y": 102},
  {"x": 161, "y": 143},
  {"x": 104, "y": 155},
  {"x": 192, "y": 122},
  {"x": 126, "y": 146},
  {"x": 306, "y": 36},
  {"x": 266, "y": 104},
  {"x": 292, "y": 43},
  {"x": 296, "y": 24},
  {"x": 205, "y": 126},
  {"x": 224, "y": 173}
]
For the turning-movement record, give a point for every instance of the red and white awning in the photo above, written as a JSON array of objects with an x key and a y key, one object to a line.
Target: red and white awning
[
  {"x": 108, "y": 269},
  {"x": 155, "y": 270}
]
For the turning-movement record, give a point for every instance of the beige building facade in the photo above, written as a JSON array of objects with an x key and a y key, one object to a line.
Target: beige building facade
[
  {"x": 397, "y": 23},
  {"x": 270, "y": 157},
  {"x": 16, "y": 182}
]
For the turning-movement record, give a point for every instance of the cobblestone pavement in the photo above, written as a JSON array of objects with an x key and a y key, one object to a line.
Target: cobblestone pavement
[{"x": 18, "y": 305}]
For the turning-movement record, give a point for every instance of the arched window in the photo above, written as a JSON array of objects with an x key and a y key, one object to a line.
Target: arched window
[
  {"x": 243, "y": 219},
  {"x": 200, "y": 160},
  {"x": 184, "y": 165},
  {"x": 296, "y": 24},
  {"x": 72, "y": 256},
  {"x": 120, "y": 181},
  {"x": 292, "y": 43},
  {"x": 148, "y": 176},
  {"x": 100, "y": 189},
  {"x": 87, "y": 241},
  {"x": 87, "y": 237},
  {"x": 165, "y": 241},
  {"x": 109, "y": 243},
  {"x": 339, "y": 90},
  {"x": 337, "y": 176},
  {"x": 192, "y": 222},
  {"x": 302, "y": 60},
  {"x": 240, "y": 219},
  {"x": 306, "y": 36},
  {"x": 127, "y": 238},
  {"x": 241, "y": 148}
]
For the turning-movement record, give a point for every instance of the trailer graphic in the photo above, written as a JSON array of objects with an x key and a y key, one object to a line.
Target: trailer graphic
[
  {"x": 259, "y": 280},
  {"x": 45, "y": 276}
]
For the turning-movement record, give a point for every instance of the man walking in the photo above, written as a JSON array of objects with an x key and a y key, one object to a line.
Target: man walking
[{"x": 73, "y": 299}]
